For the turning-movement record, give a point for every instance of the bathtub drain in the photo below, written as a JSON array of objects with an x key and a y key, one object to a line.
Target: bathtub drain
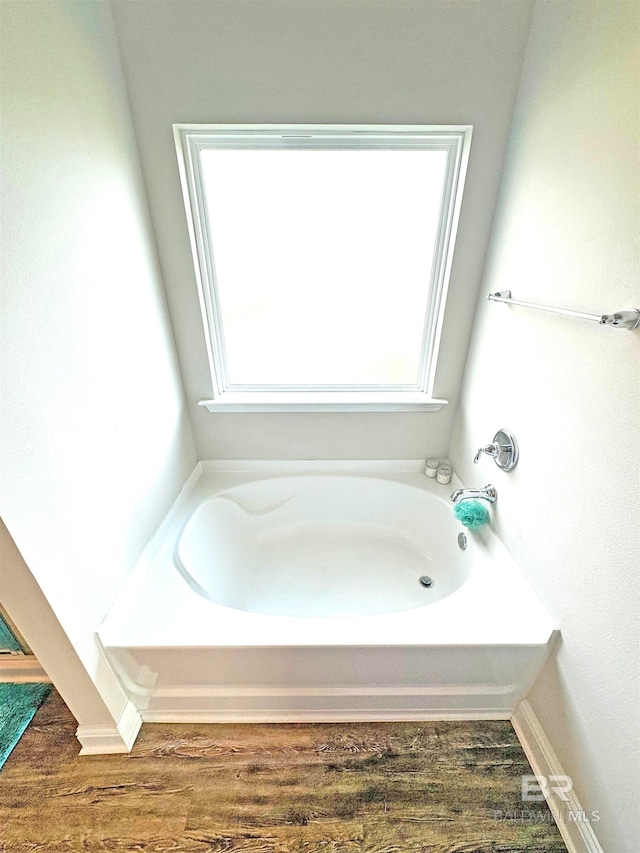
[{"x": 425, "y": 580}]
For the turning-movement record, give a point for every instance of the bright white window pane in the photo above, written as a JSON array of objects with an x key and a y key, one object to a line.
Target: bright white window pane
[{"x": 323, "y": 261}]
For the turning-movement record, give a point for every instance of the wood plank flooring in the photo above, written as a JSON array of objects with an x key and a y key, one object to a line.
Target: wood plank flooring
[{"x": 299, "y": 788}]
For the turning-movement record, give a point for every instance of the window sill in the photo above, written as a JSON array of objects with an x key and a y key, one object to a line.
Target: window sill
[{"x": 328, "y": 401}]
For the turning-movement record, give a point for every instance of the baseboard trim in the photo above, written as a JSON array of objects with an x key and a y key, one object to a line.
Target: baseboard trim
[
  {"x": 105, "y": 740},
  {"x": 20, "y": 669},
  {"x": 578, "y": 835}
]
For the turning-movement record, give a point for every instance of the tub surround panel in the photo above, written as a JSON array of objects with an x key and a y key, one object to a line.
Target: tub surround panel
[{"x": 281, "y": 684}]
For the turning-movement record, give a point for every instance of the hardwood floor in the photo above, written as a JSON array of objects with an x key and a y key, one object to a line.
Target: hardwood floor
[{"x": 298, "y": 788}]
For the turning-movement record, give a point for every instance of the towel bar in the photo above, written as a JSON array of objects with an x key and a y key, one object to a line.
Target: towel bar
[{"x": 619, "y": 319}]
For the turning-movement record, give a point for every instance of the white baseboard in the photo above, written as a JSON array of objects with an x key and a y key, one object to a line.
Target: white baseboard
[
  {"x": 577, "y": 834},
  {"x": 104, "y": 740},
  {"x": 19, "y": 669}
]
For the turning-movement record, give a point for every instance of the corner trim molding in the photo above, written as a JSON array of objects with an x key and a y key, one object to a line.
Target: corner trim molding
[
  {"x": 104, "y": 740},
  {"x": 578, "y": 835}
]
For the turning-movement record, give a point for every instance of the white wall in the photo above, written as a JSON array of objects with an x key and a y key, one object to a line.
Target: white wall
[
  {"x": 566, "y": 233},
  {"x": 341, "y": 61},
  {"x": 95, "y": 440},
  {"x": 21, "y": 595}
]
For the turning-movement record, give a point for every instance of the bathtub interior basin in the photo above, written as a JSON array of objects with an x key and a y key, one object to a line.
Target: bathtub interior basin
[{"x": 322, "y": 546}]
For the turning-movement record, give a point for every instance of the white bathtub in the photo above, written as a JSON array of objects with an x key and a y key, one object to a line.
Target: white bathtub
[{"x": 291, "y": 591}]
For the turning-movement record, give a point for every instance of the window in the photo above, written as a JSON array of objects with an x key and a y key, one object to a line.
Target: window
[{"x": 322, "y": 257}]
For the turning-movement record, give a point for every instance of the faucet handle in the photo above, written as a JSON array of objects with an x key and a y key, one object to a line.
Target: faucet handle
[
  {"x": 503, "y": 450},
  {"x": 492, "y": 450}
]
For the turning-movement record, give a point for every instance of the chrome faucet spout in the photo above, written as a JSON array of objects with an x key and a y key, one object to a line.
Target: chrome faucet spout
[{"x": 486, "y": 493}]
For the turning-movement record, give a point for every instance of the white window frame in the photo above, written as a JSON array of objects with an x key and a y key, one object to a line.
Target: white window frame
[{"x": 191, "y": 139}]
